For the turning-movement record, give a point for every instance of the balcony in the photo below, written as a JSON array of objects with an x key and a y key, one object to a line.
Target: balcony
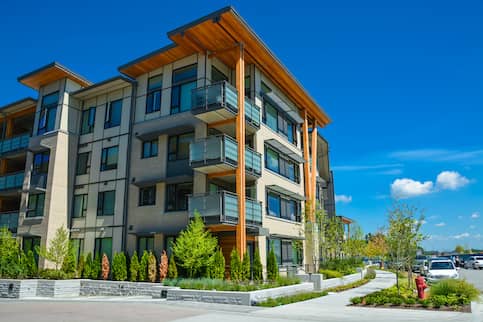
[
  {"x": 10, "y": 220},
  {"x": 222, "y": 208},
  {"x": 219, "y": 153},
  {"x": 11, "y": 181},
  {"x": 218, "y": 102},
  {"x": 16, "y": 143}
]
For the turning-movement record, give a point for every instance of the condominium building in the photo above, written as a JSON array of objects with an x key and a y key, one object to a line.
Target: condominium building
[{"x": 211, "y": 124}]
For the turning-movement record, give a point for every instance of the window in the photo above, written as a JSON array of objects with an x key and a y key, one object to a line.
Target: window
[
  {"x": 48, "y": 111},
  {"x": 184, "y": 81},
  {"x": 217, "y": 75},
  {"x": 41, "y": 163},
  {"x": 279, "y": 122},
  {"x": 265, "y": 88},
  {"x": 283, "y": 207},
  {"x": 145, "y": 244},
  {"x": 153, "y": 97},
  {"x": 113, "y": 114},
  {"x": 150, "y": 149},
  {"x": 176, "y": 196},
  {"x": 285, "y": 167},
  {"x": 78, "y": 246},
  {"x": 80, "y": 206},
  {"x": 87, "y": 120},
  {"x": 83, "y": 163},
  {"x": 285, "y": 251},
  {"x": 103, "y": 246},
  {"x": 248, "y": 92},
  {"x": 36, "y": 205},
  {"x": 109, "y": 158},
  {"x": 106, "y": 203},
  {"x": 147, "y": 196},
  {"x": 179, "y": 146}
]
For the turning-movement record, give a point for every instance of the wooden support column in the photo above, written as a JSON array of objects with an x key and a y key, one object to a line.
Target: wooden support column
[
  {"x": 314, "y": 166},
  {"x": 305, "y": 138},
  {"x": 241, "y": 234}
]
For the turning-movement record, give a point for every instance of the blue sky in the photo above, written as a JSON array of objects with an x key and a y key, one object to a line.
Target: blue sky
[{"x": 401, "y": 80}]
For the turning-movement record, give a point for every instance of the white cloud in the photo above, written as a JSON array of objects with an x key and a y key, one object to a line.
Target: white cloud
[
  {"x": 463, "y": 235},
  {"x": 475, "y": 215},
  {"x": 451, "y": 180},
  {"x": 407, "y": 188},
  {"x": 440, "y": 224},
  {"x": 343, "y": 198},
  {"x": 365, "y": 167},
  {"x": 422, "y": 222}
]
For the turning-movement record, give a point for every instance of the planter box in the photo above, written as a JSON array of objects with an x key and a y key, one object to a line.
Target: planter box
[
  {"x": 348, "y": 279},
  {"x": 238, "y": 298},
  {"x": 15, "y": 289},
  {"x": 116, "y": 288}
]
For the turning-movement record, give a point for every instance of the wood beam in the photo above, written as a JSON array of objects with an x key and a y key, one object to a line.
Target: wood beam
[
  {"x": 241, "y": 234},
  {"x": 221, "y": 174},
  {"x": 222, "y": 122},
  {"x": 307, "y": 182},
  {"x": 314, "y": 166}
]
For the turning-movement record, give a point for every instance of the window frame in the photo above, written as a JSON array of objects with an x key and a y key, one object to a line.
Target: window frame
[
  {"x": 151, "y": 198},
  {"x": 84, "y": 201},
  {"x": 175, "y": 155},
  {"x": 43, "y": 166},
  {"x": 88, "y": 118},
  {"x": 105, "y": 156},
  {"x": 108, "y": 123},
  {"x": 88, "y": 163},
  {"x": 147, "y": 241},
  {"x": 284, "y": 165},
  {"x": 36, "y": 209},
  {"x": 101, "y": 199},
  {"x": 45, "y": 114},
  {"x": 98, "y": 247},
  {"x": 176, "y": 87},
  {"x": 281, "y": 122},
  {"x": 284, "y": 205},
  {"x": 151, "y": 92},
  {"x": 175, "y": 193},
  {"x": 151, "y": 154}
]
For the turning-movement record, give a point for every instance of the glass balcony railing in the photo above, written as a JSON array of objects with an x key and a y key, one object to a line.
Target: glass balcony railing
[
  {"x": 253, "y": 161},
  {"x": 9, "y": 220},
  {"x": 252, "y": 113},
  {"x": 15, "y": 143},
  {"x": 11, "y": 181},
  {"x": 212, "y": 150},
  {"x": 222, "y": 207}
]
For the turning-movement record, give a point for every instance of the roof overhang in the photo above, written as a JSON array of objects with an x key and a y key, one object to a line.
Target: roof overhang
[
  {"x": 51, "y": 73},
  {"x": 103, "y": 87},
  {"x": 345, "y": 220},
  {"x": 18, "y": 106},
  {"x": 220, "y": 34},
  {"x": 281, "y": 236}
]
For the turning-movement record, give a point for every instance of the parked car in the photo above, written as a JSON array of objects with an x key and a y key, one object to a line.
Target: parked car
[
  {"x": 478, "y": 262},
  {"x": 469, "y": 262},
  {"x": 420, "y": 265},
  {"x": 463, "y": 259},
  {"x": 441, "y": 269}
]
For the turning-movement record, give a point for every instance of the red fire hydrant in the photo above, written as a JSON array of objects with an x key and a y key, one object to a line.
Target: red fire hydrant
[{"x": 420, "y": 285}]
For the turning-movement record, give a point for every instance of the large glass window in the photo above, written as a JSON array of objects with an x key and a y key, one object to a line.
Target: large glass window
[
  {"x": 273, "y": 205},
  {"x": 177, "y": 196},
  {"x": 30, "y": 244},
  {"x": 88, "y": 120},
  {"x": 145, "y": 243},
  {"x": 41, "y": 163},
  {"x": 150, "y": 149},
  {"x": 78, "y": 246},
  {"x": 147, "y": 196},
  {"x": 271, "y": 116},
  {"x": 217, "y": 75},
  {"x": 109, "y": 158},
  {"x": 184, "y": 81},
  {"x": 83, "y": 163},
  {"x": 285, "y": 251},
  {"x": 272, "y": 160},
  {"x": 103, "y": 246},
  {"x": 80, "y": 206},
  {"x": 279, "y": 122},
  {"x": 36, "y": 205},
  {"x": 48, "y": 111},
  {"x": 113, "y": 114},
  {"x": 153, "y": 97},
  {"x": 106, "y": 203},
  {"x": 179, "y": 146},
  {"x": 283, "y": 207},
  {"x": 285, "y": 167}
]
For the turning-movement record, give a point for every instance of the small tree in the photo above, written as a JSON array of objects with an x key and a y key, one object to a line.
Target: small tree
[
  {"x": 163, "y": 266},
  {"x": 87, "y": 273},
  {"x": 10, "y": 262},
  {"x": 257, "y": 266},
  {"x": 217, "y": 270},
  {"x": 119, "y": 267},
  {"x": 81, "y": 264},
  {"x": 272, "y": 266},
  {"x": 172, "y": 269},
  {"x": 69, "y": 263},
  {"x": 95, "y": 267},
  {"x": 58, "y": 249},
  {"x": 105, "y": 267},
  {"x": 377, "y": 247},
  {"x": 152, "y": 268},
  {"x": 143, "y": 267},
  {"x": 245, "y": 268},
  {"x": 459, "y": 249},
  {"x": 134, "y": 268},
  {"x": 194, "y": 248},
  {"x": 31, "y": 265},
  {"x": 235, "y": 266}
]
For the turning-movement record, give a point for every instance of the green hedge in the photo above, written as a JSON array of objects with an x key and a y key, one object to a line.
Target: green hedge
[
  {"x": 291, "y": 299},
  {"x": 345, "y": 266}
]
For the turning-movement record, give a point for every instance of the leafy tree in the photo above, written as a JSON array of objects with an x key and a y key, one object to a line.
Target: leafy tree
[
  {"x": 10, "y": 261},
  {"x": 245, "y": 268},
  {"x": 143, "y": 267},
  {"x": 376, "y": 246},
  {"x": 163, "y": 266},
  {"x": 95, "y": 267},
  {"x": 31, "y": 265},
  {"x": 87, "y": 273},
  {"x": 119, "y": 267},
  {"x": 257, "y": 266},
  {"x": 69, "y": 262},
  {"x": 172, "y": 269},
  {"x": 236, "y": 273},
  {"x": 459, "y": 249},
  {"x": 152, "y": 268},
  {"x": 355, "y": 244},
  {"x": 81, "y": 265},
  {"x": 105, "y": 267},
  {"x": 194, "y": 248},
  {"x": 58, "y": 249},
  {"x": 217, "y": 270},
  {"x": 134, "y": 268},
  {"x": 272, "y": 266}
]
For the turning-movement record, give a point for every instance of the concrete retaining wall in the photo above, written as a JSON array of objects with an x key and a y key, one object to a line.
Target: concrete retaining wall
[
  {"x": 348, "y": 279},
  {"x": 114, "y": 288}
]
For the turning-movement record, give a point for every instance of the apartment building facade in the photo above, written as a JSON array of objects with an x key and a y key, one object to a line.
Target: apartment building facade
[{"x": 211, "y": 124}]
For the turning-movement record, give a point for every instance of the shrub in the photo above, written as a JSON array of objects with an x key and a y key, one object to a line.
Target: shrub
[
  {"x": 58, "y": 248},
  {"x": 172, "y": 269},
  {"x": 10, "y": 263},
  {"x": 119, "y": 267},
  {"x": 152, "y": 268},
  {"x": 438, "y": 300},
  {"x": 370, "y": 274},
  {"x": 163, "y": 266},
  {"x": 87, "y": 267},
  {"x": 143, "y": 267},
  {"x": 257, "y": 267},
  {"x": 272, "y": 266},
  {"x": 356, "y": 300},
  {"x": 105, "y": 267},
  {"x": 245, "y": 268},
  {"x": 194, "y": 248},
  {"x": 69, "y": 262},
  {"x": 134, "y": 268},
  {"x": 31, "y": 265},
  {"x": 54, "y": 274},
  {"x": 270, "y": 302},
  {"x": 81, "y": 266},
  {"x": 95, "y": 267},
  {"x": 235, "y": 266},
  {"x": 457, "y": 287},
  {"x": 330, "y": 273},
  {"x": 217, "y": 269},
  {"x": 345, "y": 266}
]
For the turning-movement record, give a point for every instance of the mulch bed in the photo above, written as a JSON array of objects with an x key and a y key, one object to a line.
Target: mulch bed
[{"x": 462, "y": 309}]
